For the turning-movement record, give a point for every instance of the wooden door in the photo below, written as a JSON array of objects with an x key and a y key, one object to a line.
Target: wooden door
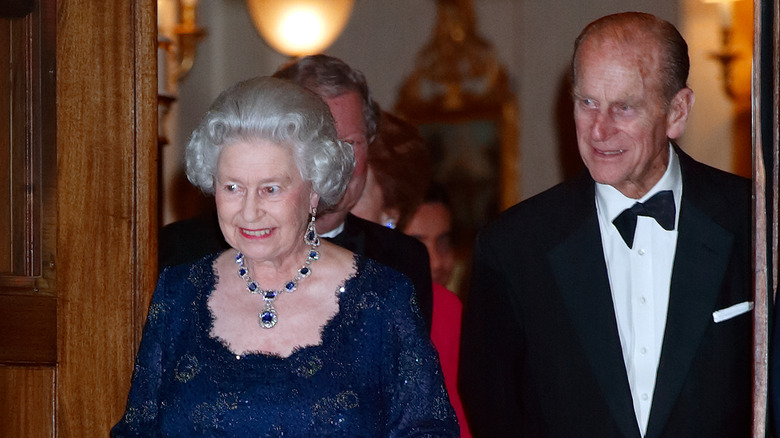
[
  {"x": 78, "y": 215},
  {"x": 28, "y": 292}
]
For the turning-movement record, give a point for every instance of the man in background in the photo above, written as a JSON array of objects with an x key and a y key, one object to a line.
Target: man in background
[{"x": 356, "y": 114}]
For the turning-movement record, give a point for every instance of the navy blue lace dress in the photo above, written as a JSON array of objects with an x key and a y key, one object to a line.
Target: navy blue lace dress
[{"x": 375, "y": 374}]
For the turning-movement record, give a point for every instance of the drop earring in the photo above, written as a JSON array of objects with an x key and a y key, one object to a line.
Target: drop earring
[{"x": 310, "y": 237}]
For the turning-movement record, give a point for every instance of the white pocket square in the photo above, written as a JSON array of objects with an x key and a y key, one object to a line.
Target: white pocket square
[{"x": 730, "y": 312}]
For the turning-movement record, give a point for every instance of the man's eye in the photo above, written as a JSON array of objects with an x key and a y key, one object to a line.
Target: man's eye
[
  {"x": 231, "y": 187},
  {"x": 622, "y": 109},
  {"x": 271, "y": 189}
]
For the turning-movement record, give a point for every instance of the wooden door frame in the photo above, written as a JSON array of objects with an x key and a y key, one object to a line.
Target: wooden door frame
[
  {"x": 765, "y": 106},
  {"x": 106, "y": 203}
]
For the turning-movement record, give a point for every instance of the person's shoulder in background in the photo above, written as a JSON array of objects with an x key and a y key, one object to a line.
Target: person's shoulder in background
[
  {"x": 400, "y": 252},
  {"x": 188, "y": 240}
]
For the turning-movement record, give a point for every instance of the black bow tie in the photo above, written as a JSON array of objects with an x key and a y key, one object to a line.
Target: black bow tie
[{"x": 659, "y": 207}]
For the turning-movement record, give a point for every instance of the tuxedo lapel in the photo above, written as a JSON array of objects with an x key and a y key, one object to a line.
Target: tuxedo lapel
[
  {"x": 581, "y": 275},
  {"x": 701, "y": 257}
]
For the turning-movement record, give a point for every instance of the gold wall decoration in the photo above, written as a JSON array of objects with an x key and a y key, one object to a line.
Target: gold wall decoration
[
  {"x": 459, "y": 97},
  {"x": 727, "y": 53},
  {"x": 178, "y": 36}
]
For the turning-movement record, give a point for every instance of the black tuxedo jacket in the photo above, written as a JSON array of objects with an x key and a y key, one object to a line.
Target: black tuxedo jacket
[
  {"x": 188, "y": 240},
  {"x": 541, "y": 354}
]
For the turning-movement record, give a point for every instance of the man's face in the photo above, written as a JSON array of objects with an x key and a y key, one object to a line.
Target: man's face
[
  {"x": 622, "y": 123},
  {"x": 347, "y": 110}
]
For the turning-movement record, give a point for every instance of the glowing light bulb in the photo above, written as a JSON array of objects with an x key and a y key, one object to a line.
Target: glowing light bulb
[{"x": 299, "y": 27}]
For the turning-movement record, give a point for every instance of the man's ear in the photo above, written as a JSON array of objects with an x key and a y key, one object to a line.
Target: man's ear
[{"x": 679, "y": 110}]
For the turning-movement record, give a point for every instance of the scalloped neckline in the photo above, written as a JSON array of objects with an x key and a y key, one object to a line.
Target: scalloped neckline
[{"x": 219, "y": 346}]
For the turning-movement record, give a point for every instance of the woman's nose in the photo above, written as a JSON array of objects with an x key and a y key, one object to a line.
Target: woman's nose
[{"x": 253, "y": 207}]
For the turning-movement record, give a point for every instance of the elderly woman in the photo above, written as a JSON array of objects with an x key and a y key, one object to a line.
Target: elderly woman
[{"x": 284, "y": 334}]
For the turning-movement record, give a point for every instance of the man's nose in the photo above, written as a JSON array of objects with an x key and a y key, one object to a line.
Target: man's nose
[{"x": 603, "y": 126}]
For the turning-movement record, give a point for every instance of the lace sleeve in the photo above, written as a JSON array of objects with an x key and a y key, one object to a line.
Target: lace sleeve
[
  {"x": 141, "y": 412},
  {"x": 418, "y": 404}
]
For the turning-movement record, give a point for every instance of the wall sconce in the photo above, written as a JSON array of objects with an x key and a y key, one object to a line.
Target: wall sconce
[
  {"x": 177, "y": 40},
  {"x": 187, "y": 34},
  {"x": 299, "y": 27},
  {"x": 178, "y": 36},
  {"x": 726, "y": 54}
]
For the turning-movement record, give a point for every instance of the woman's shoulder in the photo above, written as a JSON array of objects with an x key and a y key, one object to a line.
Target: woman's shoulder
[
  {"x": 185, "y": 268},
  {"x": 358, "y": 270},
  {"x": 380, "y": 287},
  {"x": 376, "y": 273},
  {"x": 179, "y": 282}
]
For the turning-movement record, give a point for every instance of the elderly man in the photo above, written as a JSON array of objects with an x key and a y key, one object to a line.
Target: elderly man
[
  {"x": 617, "y": 304},
  {"x": 346, "y": 93}
]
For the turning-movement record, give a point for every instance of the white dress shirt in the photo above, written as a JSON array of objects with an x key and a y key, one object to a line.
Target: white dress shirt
[
  {"x": 639, "y": 279},
  {"x": 332, "y": 233}
]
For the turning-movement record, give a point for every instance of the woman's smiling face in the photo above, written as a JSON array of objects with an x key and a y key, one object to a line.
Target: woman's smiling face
[{"x": 262, "y": 201}]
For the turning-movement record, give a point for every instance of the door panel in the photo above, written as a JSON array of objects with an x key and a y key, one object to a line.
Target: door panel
[
  {"x": 28, "y": 302},
  {"x": 27, "y": 398}
]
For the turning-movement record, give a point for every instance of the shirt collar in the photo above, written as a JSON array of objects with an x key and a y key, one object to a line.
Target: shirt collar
[
  {"x": 334, "y": 232},
  {"x": 610, "y": 202}
]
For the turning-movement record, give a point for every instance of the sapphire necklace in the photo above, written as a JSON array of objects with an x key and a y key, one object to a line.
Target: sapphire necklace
[{"x": 267, "y": 317}]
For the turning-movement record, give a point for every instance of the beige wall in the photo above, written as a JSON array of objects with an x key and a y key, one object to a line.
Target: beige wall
[
  {"x": 716, "y": 133},
  {"x": 532, "y": 38}
]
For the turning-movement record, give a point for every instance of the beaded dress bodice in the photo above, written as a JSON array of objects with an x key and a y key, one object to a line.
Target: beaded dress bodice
[{"x": 374, "y": 374}]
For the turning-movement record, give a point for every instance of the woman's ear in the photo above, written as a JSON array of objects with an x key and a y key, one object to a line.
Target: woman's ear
[{"x": 314, "y": 200}]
